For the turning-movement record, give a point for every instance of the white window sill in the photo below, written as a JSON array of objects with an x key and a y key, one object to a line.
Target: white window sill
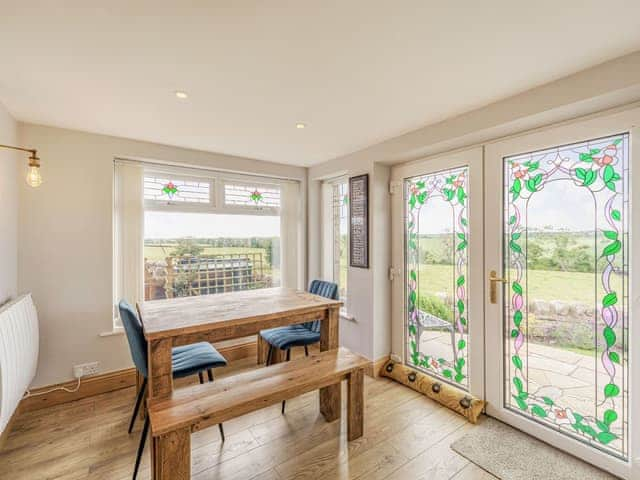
[
  {"x": 345, "y": 315},
  {"x": 116, "y": 331}
]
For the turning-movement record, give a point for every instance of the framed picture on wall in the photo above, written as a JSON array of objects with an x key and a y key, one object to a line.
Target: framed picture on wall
[{"x": 359, "y": 221}]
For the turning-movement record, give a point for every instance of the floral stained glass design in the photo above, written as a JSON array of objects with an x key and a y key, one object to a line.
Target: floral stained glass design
[
  {"x": 170, "y": 189},
  {"x": 161, "y": 190},
  {"x": 256, "y": 197},
  {"x": 566, "y": 301},
  {"x": 436, "y": 253}
]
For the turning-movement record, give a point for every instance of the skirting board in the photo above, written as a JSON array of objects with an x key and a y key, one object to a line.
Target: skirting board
[
  {"x": 108, "y": 382},
  {"x": 373, "y": 369}
]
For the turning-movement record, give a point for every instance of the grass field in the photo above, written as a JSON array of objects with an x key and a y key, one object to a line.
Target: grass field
[
  {"x": 160, "y": 252},
  {"x": 543, "y": 285}
]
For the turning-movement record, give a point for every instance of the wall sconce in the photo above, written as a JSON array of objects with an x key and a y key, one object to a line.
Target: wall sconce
[{"x": 34, "y": 179}]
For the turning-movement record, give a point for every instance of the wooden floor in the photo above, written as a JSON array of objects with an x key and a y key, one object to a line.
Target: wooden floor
[{"x": 407, "y": 436}]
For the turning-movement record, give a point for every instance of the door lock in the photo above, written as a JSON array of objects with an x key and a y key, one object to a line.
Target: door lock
[{"x": 493, "y": 280}]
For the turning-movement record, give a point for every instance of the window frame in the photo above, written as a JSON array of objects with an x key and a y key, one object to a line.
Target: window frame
[{"x": 331, "y": 235}]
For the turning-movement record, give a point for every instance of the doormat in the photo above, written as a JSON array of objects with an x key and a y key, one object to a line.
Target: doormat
[
  {"x": 510, "y": 454},
  {"x": 451, "y": 397}
]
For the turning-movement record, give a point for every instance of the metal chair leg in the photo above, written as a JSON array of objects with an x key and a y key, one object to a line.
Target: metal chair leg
[
  {"x": 221, "y": 431},
  {"x": 201, "y": 377},
  {"x": 138, "y": 402},
  {"x": 143, "y": 439},
  {"x": 284, "y": 402},
  {"x": 210, "y": 374},
  {"x": 306, "y": 351}
]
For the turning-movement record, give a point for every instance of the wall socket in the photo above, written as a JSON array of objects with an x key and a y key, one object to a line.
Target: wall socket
[{"x": 85, "y": 369}]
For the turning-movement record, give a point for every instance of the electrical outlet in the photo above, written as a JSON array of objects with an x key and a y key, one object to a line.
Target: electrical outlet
[{"x": 85, "y": 369}]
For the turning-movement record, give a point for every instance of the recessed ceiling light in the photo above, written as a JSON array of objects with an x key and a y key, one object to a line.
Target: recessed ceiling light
[
  {"x": 300, "y": 125},
  {"x": 181, "y": 94}
]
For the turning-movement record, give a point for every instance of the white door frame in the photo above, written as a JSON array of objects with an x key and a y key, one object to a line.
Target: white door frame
[
  {"x": 625, "y": 121},
  {"x": 473, "y": 159}
]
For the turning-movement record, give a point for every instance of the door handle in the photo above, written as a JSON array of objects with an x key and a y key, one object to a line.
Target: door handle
[{"x": 493, "y": 280}]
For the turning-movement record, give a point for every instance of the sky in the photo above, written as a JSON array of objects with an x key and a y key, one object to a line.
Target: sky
[{"x": 206, "y": 225}]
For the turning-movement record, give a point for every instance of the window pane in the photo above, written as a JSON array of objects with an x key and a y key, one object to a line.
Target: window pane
[
  {"x": 341, "y": 236},
  {"x": 436, "y": 249},
  {"x": 566, "y": 305},
  {"x": 189, "y": 254},
  {"x": 251, "y": 195},
  {"x": 166, "y": 189}
]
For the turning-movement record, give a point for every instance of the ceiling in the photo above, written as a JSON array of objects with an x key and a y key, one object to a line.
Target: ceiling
[{"x": 356, "y": 72}]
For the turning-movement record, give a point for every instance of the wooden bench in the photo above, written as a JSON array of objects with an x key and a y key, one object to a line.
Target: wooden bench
[{"x": 194, "y": 408}]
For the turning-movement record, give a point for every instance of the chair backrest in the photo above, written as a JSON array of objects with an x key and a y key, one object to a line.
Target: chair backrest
[
  {"x": 135, "y": 336},
  {"x": 324, "y": 289}
]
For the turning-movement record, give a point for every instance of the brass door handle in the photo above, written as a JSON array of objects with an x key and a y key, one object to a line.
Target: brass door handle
[{"x": 493, "y": 280}]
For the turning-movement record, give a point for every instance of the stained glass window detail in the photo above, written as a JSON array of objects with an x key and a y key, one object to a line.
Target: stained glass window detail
[
  {"x": 165, "y": 189},
  {"x": 436, "y": 253},
  {"x": 566, "y": 245},
  {"x": 251, "y": 195}
]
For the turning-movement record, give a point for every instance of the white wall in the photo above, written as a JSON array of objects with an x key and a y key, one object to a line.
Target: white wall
[
  {"x": 9, "y": 206},
  {"x": 611, "y": 84},
  {"x": 66, "y": 240}
]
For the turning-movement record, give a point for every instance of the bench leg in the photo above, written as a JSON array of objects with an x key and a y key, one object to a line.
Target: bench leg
[
  {"x": 171, "y": 456},
  {"x": 330, "y": 397},
  {"x": 355, "y": 404}
]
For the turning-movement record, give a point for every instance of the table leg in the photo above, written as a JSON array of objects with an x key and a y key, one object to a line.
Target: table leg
[
  {"x": 160, "y": 371},
  {"x": 171, "y": 456},
  {"x": 355, "y": 404},
  {"x": 330, "y": 397}
]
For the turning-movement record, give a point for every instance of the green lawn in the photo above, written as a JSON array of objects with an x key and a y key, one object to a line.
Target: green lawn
[{"x": 543, "y": 285}]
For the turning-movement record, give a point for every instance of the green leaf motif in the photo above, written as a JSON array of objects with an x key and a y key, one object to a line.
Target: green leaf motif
[
  {"x": 412, "y": 201},
  {"x": 413, "y": 275},
  {"x": 589, "y": 178},
  {"x": 512, "y": 220},
  {"x": 448, "y": 193},
  {"x": 517, "y": 361},
  {"x": 617, "y": 141},
  {"x": 538, "y": 411},
  {"x": 612, "y": 248},
  {"x": 514, "y": 333},
  {"x": 517, "y": 288},
  {"x": 463, "y": 320},
  {"x": 422, "y": 197},
  {"x": 518, "y": 384},
  {"x": 461, "y": 195},
  {"x": 461, "y": 344},
  {"x": 610, "y": 299},
  {"x": 614, "y": 357},
  {"x": 461, "y": 236},
  {"x": 609, "y": 336},
  {"x": 610, "y": 416},
  {"x": 610, "y": 234},
  {"x": 516, "y": 188},
  {"x": 611, "y": 186},
  {"x": 607, "y": 173},
  {"x": 463, "y": 221},
  {"x": 615, "y": 214},
  {"x": 447, "y": 373},
  {"x": 515, "y": 236},
  {"x": 602, "y": 426},
  {"x": 460, "y": 280},
  {"x": 460, "y": 305},
  {"x": 521, "y": 403},
  {"x": 462, "y": 245},
  {"x": 515, "y": 247},
  {"x": 413, "y": 245},
  {"x": 586, "y": 157},
  {"x": 548, "y": 401},
  {"x": 581, "y": 173},
  {"x": 459, "y": 377},
  {"x": 517, "y": 318},
  {"x": 606, "y": 437},
  {"x": 611, "y": 390},
  {"x": 531, "y": 185}
]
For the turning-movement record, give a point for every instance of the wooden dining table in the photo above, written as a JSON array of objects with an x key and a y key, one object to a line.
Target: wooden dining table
[{"x": 211, "y": 318}]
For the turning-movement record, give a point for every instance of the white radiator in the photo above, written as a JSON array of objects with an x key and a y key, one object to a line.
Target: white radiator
[{"x": 18, "y": 353}]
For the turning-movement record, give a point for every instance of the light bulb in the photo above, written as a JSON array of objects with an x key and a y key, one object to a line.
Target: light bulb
[{"x": 34, "y": 179}]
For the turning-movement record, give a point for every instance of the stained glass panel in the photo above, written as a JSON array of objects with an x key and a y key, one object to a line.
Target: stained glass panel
[
  {"x": 251, "y": 195},
  {"x": 165, "y": 189},
  {"x": 566, "y": 247},
  {"x": 436, "y": 253}
]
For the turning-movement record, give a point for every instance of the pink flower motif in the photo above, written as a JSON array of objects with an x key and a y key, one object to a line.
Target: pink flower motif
[
  {"x": 562, "y": 416},
  {"x": 461, "y": 292},
  {"x": 520, "y": 171},
  {"x": 517, "y": 301}
]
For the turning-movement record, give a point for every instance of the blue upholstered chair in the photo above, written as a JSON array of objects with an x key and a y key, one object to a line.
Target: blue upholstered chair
[
  {"x": 301, "y": 335},
  {"x": 186, "y": 360}
]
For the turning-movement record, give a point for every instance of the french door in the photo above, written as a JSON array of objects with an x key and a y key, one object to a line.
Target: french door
[
  {"x": 438, "y": 325},
  {"x": 516, "y": 269}
]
